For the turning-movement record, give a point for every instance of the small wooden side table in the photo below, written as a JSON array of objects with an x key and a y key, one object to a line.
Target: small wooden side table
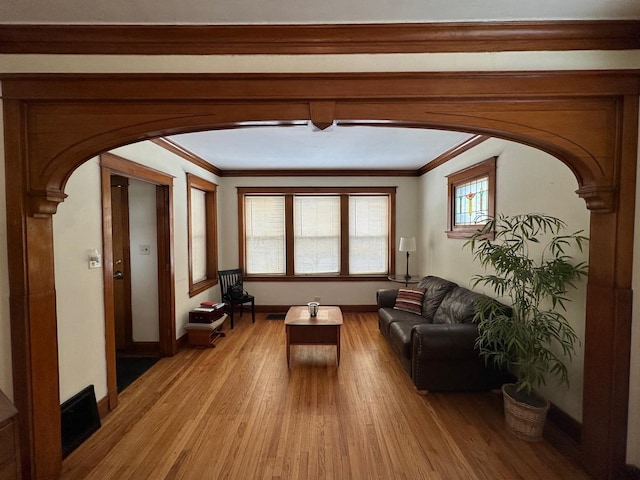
[
  {"x": 404, "y": 279},
  {"x": 205, "y": 334}
]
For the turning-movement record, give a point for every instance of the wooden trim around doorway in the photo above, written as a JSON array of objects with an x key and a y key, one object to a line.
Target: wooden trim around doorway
[{"x": 114, "y": 165}]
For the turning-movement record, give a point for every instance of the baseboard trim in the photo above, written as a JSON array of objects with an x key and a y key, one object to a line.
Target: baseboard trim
[
  {"x": 633, "y": 472},
  {"x": 181, "y": 343},
  {"x": 145, "y": 348},
  {"x": 103, "y": 407},
  {"x": 564, "y": 433},
  {"x": 344, "y": 308}
]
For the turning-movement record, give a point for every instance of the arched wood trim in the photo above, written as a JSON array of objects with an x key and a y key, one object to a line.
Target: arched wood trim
[{"x": 588, "y": 120}]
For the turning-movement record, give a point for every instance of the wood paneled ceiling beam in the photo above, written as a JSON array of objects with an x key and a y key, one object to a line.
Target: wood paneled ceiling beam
[{"x": 320, "y": 39}]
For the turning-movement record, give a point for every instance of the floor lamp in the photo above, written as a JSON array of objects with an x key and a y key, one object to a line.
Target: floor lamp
[{"x": 407, "y": 244}]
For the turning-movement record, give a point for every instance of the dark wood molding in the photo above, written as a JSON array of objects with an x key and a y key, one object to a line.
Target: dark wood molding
[
  {"x": 103, "y": 407},
  {"x": 633, "y": 472},
  {"x": 321, "y": 39},
  {"x": 182, "y": 342},
  {"x": 453, "y": 153},
  {"x": 564, "y": 433},
  {"x": 186, "y": 154}
]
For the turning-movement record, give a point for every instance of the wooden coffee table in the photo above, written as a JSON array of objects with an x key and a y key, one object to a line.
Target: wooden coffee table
[{"x": 303, "y": 329}]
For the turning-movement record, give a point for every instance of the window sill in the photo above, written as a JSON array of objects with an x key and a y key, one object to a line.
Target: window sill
[
  {"x": 315, "y": 278},
  {"x": 467, "y": 233},
  {"x": 200, "y": 287}
]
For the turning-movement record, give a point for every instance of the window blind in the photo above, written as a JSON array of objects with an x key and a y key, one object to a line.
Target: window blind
[
  {"x": 265, "y": 235},
  {"x": 368, "y": 234},
  {"x": 316, "y": 227},
  {"x": 198, "y": 236}
]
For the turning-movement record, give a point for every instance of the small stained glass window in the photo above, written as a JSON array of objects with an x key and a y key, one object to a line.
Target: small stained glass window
[
  {"x": 472, "y": 202},
  {"x": 471, "y": 198}
]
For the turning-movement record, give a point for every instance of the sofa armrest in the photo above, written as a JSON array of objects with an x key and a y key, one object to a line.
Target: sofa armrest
[
  {"x": 444, "y": 341},
  {"x": 386, "y": 298}
]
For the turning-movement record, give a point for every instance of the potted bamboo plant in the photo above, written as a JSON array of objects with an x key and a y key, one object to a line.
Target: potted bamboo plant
[{"x": 535, "y": 276}]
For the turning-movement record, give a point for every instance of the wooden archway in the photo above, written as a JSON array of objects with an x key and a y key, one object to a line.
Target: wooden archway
[{"x": 589, "y": 120}]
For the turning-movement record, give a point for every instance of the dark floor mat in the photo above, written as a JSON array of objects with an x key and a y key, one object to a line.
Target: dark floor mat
[{"x": 128, "y": 369}]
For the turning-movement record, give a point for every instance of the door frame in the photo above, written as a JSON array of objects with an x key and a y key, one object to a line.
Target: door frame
[{"x": 111, "y": 164}]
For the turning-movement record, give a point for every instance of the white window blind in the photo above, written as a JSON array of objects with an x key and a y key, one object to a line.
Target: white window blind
[
  {"x": 198, "y": 236},
  {"x": 368, "y": 234},
  {"x": 265, "y": 235},
  {"x": 316, "y": 227}
]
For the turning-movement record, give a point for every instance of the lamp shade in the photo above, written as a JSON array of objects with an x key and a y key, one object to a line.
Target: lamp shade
[{"x": 407, "y": 244}]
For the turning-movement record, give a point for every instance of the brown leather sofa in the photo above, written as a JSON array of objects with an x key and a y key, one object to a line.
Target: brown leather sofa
[{"x": 437, "y": 348}]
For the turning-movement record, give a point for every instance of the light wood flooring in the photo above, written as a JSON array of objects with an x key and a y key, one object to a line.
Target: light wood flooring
[{"x": 237, "y": 412}]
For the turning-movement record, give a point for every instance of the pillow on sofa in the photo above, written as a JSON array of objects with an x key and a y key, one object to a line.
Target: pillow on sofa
[{"x": 410, "y": 300}]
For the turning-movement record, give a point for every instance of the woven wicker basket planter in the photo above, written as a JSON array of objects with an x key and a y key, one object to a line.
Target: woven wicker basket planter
[{"x": 523, "y": 420}]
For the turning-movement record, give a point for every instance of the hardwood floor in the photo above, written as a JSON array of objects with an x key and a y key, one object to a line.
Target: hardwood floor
[{"x": 237, "y": 412}]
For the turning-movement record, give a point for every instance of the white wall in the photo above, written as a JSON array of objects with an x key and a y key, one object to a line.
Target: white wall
[
  {"x": 527, "y": 180},
  {"x": 330, "y": 293},
  {"x": 77, "y": 228},
  {"x": 144, "y": 268}
]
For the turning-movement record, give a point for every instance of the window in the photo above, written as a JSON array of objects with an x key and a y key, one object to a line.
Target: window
[
  {"x": 317, "y": 232},
  {"x": 202, "y": 233},
  {"x": 264, "y": 235},
  {"x": 471, "y": 198}
]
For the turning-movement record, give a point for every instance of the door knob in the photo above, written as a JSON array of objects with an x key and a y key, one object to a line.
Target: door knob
[{"x": 118, "y": 275}]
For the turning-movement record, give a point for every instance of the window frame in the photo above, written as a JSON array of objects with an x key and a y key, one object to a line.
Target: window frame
[
  {"x": 344, "y": 193},
  {"x": 487, "y": 168},
  {"x": 210, "y": 190}
]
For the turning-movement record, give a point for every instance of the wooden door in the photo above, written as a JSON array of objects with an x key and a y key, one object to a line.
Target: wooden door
[{"x": 121, "y": 263}]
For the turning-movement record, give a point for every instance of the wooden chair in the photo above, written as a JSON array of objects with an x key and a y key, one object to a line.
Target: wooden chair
[{"x": 227, "y": 279}]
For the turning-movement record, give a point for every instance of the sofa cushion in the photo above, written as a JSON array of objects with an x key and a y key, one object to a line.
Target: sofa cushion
[
  {"x": 457, "y": 307},
  {"x": 435, "y": 289},
  {"x": 400, "y": 338},
  {"x": 386, "y": 316},
  {"x": 409, "y": 300}
]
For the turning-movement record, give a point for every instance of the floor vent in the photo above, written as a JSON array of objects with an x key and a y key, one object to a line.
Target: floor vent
[
  {"x": 276, "y": 316},
  {"x": 79, "y": 419}
]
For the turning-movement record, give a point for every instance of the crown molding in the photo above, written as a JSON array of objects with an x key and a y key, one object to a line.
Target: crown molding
[
  {"x": 188, "y": 155},
  {"x": 320, "y": 39},
  {"x": 453, "y": 153}
]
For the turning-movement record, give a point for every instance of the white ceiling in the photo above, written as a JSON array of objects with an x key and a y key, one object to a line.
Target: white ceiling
[
  {"x": 297, "y": 11},
  {"x": 301, "y": 147}
]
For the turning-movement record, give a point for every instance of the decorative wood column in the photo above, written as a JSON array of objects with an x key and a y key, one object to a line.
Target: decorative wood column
[{"x": 34, "y": 336}]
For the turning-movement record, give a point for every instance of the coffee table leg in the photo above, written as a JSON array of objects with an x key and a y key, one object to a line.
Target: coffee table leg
[
  {"x": 338, "y": 344},
  {"x": 288, "y": 347}
]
